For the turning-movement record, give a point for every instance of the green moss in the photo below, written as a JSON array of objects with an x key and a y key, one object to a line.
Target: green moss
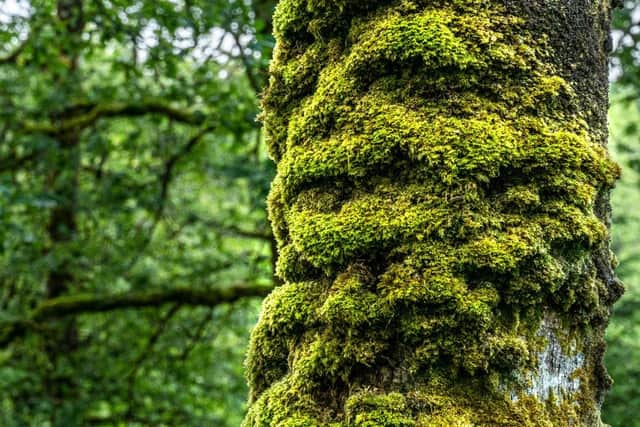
[
  {"x": 284, "y": 406},
  {"x": 366, "y": 409},
  {"x": 434, "y": 201}
]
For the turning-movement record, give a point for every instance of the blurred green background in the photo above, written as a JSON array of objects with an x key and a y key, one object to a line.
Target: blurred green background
[{"x": 134, "y": 244}]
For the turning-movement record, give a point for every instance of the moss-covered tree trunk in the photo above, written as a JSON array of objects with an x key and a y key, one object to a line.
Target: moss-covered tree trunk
[{"x": 442, "y": 216}]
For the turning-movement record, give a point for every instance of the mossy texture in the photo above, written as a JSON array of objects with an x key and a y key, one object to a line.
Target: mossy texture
[{"x": 436, "y": 200}]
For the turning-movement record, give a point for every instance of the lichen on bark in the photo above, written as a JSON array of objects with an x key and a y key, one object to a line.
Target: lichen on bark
[{"x": 441, "y": 194}]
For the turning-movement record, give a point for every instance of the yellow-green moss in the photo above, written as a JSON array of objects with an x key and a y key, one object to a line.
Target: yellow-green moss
[{"x": 434, "y": 199}]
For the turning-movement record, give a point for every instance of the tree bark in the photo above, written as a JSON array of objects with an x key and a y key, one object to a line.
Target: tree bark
[{"x": 441, "y": 209}]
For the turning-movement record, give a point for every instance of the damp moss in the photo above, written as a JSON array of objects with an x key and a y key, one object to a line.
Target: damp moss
[{"x": 435, "y": 200}]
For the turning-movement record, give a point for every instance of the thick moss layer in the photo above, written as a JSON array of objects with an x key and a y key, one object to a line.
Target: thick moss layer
[{"x": 438, "y": 197}]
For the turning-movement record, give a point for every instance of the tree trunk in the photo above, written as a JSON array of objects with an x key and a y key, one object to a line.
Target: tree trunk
[
  {"x": 60, "y": 387},
  {"x": 441, "y": 209}
]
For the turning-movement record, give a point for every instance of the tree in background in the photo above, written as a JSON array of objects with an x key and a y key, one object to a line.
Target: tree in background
[
  {"x": 132, "y": 180},
  {"x": 441, "y": 209},
  {"x": 620, "y": 408},
  {"x": 624, "y": 330}
]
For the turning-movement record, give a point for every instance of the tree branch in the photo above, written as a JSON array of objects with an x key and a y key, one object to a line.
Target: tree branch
[
  {"x": 92, "y": 113},
  {"x": 94, "y": 303},
  {"x": 230, "y": 229},
  {"x": 253, "y": 81},
  {"x": 14, "y": 162},
  {"x": 146, "y": 352},
  {"x": 165, "y": 181},
  {"x": 197, "y": 336},
  {"x": 170, "y": 164}
]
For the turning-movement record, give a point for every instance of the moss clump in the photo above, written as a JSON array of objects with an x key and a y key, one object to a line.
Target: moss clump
[
  {"x": 366, "y": 409},
  {"x": 434, "y": 203}
]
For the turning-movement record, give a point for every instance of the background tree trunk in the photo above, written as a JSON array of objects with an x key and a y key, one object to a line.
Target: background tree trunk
[
  {"x": 441, "y": 209},
  {"x": 60, "y": 387}
]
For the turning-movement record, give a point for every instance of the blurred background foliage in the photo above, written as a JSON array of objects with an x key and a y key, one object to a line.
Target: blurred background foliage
[
  {"x": 133, "y": 180},
  {"x": 134, "y": 244},
  {"x": 623, "y": 335}
]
